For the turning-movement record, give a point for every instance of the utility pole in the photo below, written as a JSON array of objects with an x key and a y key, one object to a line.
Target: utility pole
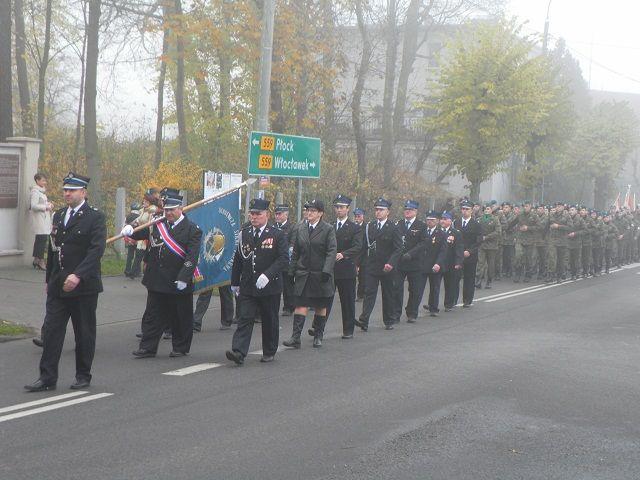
[
  {"x": 264, "y": 87},
  {"x": 545, "y": 38}
]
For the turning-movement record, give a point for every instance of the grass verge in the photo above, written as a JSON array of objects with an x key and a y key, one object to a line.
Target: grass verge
[{"x": 11, "y": 329}]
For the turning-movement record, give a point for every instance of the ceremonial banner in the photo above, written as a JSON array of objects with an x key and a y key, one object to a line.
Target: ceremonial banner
[{"x": 219, "y": 221}]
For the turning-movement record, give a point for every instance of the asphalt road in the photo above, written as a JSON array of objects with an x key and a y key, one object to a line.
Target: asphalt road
[{"x": 533, "y": 382}]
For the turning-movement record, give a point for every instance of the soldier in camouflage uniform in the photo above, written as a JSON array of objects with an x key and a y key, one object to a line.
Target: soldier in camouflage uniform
[
  {"x": 527, "y": 224},
  {"x": 540, "y": 241},
  {"x": 611, "y": 235},
  {"x": 597, "y": 242},
  {"x": 619, "y": 221},
  {"x": 491, "y": 231},
  {"x": 587, "y": 242},
  {"x": 575, "y": 241},
  {"x": 508, "y": 239},
  {"x": 560, "y": 225}
]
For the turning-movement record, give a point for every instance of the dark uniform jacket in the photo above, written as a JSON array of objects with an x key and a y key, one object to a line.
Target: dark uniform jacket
[
  {"x": 413, "y": 245},
  {"x": 349, "y": 244},
  {"x": 269, "y": 255},
  {"x": 381, "y": 247},
  {"x": 76, "y": 248},
  {"x": 435, "y": 249},
  {"x": 454, "y": 249},
  {"x": 314, "y": 254},
  {"x": 288, "y": 229},
  {"x": 164, "y": 267},
  {"x": 471, "y": 236}
]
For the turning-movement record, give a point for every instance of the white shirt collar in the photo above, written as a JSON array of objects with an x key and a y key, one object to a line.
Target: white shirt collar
[
  {"x": 382, "y": 222},
  {"x": 178, "y": 221},
  {"x": 314, "y": 225},
  {"x": 410, "y": 222},
  {"x": 75, "y": 209},
  {"x": 260, "y": 229}
]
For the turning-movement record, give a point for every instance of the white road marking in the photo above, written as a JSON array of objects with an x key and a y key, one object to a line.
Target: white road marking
[
  {"x": 530, "y": 287},
  {"x": 504, "y": 297},
  {"x": 181, "y": 372},
  {"x": 55, "y": 406},
  {"x": 42, "y": 401}
]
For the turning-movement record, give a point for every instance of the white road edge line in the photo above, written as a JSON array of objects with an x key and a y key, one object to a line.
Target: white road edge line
[
  {"x": 56, "y": 406},
  {"x": 504, "y": 297},
  {"x": 181, "y": 372},
  {"x": 42, "y": 401}
]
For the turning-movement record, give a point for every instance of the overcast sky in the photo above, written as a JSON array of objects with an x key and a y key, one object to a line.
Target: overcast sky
[{"x": 602, "y": 35}]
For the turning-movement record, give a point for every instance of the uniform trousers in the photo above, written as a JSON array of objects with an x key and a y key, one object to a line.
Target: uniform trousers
[
  {"x": 82, "y": 311},
  {"x": 556, "y": 255},
  {"x": 487, "y": 264},
  {"x": 541, "y": 259},
  {"x": 451, "y": 282},
  {"x": 508, "y": 254},
  {"x": 133, "y": 266},
  {"x": 346, "y": 288},
  {"x": 226, "y": 307},
  {"x": 387, "y": 285},
  {"x": 574, "y": 260},
  {"x": 587, "y": 260},
  {"x": 268, "y": 307},
  {"x": 468, "y": 276},
  {"x": 287, "y": 292},
  {"x": 360, "y": 289},
  {"x": 609, "y": 257},
  {"x": 168, "y": 309},
  {"x": 524, "y": 261},
  {"x": 416, "y": 281},
  {"x": 597, "y": 252},
  {"x": 434, "y": 290}
]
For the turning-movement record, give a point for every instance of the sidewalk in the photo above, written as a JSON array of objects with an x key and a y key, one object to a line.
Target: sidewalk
[{"x": 23, "y": 297}]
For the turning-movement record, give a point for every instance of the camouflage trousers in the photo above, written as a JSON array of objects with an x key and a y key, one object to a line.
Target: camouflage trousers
[
  {"x": 575, "y": 254},
  {"x": 499, "y": 255},
  {"x": 486, "y": 265},
  {"x": 541, "y": 260},
  {"x": 524, "y": 265},
  {"x": 587, "y": 259},
  {"x": 597, "y": 253},
  {"x": 556, "y": 261}
]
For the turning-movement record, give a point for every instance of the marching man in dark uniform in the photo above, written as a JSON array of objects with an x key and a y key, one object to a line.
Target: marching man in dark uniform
[
  {"x": 434, "y": 259},
  {"x": 453, "y": 261},
  {"x": 471, "y": 240},
  {"x": 349, "y": 249},
  {"x": 414, "y": 236},
  {"x": 382, "y": 249},
  {"x": 172, "y": 259},
  {"x": 78, "y": 240},
  {"x": 358, "y": 219},
  {"x": 282, "y": 223},
  {"x": 256, "y": 279}
]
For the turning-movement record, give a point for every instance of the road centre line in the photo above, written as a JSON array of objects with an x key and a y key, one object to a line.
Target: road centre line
[
  {"x": 504, "y": 297},
  {"x": 55, "y": 406},
  {"x": 200, "y": 367},
  {"x": 42, "y": 401}
]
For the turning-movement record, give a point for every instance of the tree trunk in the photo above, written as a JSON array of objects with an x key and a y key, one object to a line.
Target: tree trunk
[
  {"x": 83, "y": 54},
  {"x": 91, "y": 77},
  {"x": 160, "y": 106},
  {"x": 386, "y": 149},
  {"x": 179, "y": 89},
  {"x": 26, "y": 113},
  {"x": 409, "y": 50},
  {"x": 6, "y": 107},
  {"x": 328, "y": 60},
  {"x": 474, "y": 191},
  {"x": 224, "y": 106},
  {"x": 356, "y": 111},
  {"x": 529, "y": 162},
  {"x": 42, "y": 74},
  {"x": 600, "y": 192}
]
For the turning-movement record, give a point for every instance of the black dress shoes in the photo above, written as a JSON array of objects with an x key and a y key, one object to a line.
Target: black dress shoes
[
  {"x": 235, "y": 357},
  {"x": 80, "y": 384},
  {"x": 267, "y": 358},
  {"x": 433, "y": 314},
  {"x": 142, "y": 353},
  {"x": 38, "y": 342},
  {"x": 39, "y": 386},
  {"x": 364, "y": 327},
  {"x": 311, "y": 332},
  {"x": 177, "y": 354},
  {"x": 411, "y": 320},
  {"x": 388, "y": 327},
  {"x": 139, "y": 335},
  {"x": 347, "y": 337}
]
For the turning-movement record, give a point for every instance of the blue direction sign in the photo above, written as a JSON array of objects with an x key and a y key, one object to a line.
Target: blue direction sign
[{"x": 279, "y": 155}]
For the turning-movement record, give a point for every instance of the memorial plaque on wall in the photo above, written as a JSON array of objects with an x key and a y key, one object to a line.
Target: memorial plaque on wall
[{"x": 9, "y": 180}]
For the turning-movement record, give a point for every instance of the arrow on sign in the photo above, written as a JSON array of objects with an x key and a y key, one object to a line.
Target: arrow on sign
[
  {"x": 312, "y": 165},
  {"x": 255, "y": 142}
]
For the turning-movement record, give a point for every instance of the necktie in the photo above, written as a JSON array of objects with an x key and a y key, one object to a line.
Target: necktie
[
  {"x": 407, "y": 224},
  {"x": 70, "y": 217},
  {"x": 256, "y": 235},
  {"x": 339, "y": 225},
  {"x": 379, "y": 225},
  {"x": 310, "y": 229},
  {"x": 464, "y": 223}
]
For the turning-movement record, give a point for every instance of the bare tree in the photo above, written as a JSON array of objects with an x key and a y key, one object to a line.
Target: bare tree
[
  {"x": 179, "y": 84},
  {"x": 160, "y": 104},
  {"x": 386, "y": 149},
  {"x": 6, "y": 113},
  {"x": 91, "y": 77},
  {"x": 42, "y": 72},
  {"x": 26, "y": 114}
]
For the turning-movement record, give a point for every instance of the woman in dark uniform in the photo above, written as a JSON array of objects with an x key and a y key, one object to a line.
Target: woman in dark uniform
[{"x": 312, "y": 260}]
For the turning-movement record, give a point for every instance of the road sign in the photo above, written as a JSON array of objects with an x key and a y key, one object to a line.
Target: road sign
[{"x": 279, "y": 155}]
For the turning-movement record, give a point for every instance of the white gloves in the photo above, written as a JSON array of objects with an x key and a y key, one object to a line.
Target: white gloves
[
  {"x": 235, "y": 290},
  {"x": 126, "y": 231},
  {"x": 262, "y": 281},
  {"x": 181, "y": 285}
]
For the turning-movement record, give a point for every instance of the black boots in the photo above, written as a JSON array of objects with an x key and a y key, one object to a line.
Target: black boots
[
  {"x": 319, "y": 322},
  {"x": 298, "y": 325}
]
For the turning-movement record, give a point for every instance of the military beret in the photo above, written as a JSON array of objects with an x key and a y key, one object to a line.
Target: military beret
[
  {"x": 73, "y": 181},
  {"x": 411, "y": 205},
  {"x": 258, "y": 205},
  {"x": 342, "y": 200},
  {"x": 382, "y": 203}
]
